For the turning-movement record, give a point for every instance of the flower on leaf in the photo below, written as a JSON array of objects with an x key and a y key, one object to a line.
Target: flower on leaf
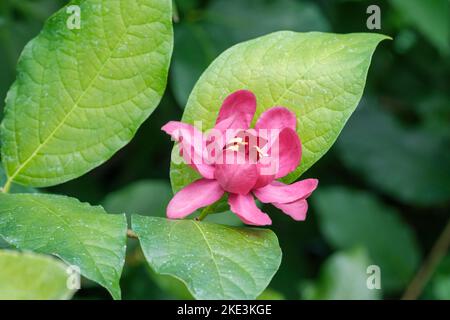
[{"x": 243, "y": 162}]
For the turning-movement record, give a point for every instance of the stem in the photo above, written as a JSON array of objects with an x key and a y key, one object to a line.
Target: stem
[
  {"x": 131, "y": 234},
  {"x": 435, "y": 256},
  {"x": 204, "y": 213}
]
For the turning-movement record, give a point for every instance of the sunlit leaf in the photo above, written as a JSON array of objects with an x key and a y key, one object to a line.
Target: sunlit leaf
[
  {"x": 15, "y": 188},
  {"x": 29, "y": 276},
  {"x": 81, "y": 94},
  {"x": 319, "y": 76}
]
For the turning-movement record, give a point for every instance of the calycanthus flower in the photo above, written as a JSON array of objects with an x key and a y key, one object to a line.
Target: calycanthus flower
[{"x": 236, "y": 159}]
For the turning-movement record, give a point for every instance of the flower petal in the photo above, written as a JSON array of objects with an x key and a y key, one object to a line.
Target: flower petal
[
  {"x": 198, "y": 194},
  {"x": 286, "y": 151},
  {"x": 277, "y": 118},
  {"x": 277, "y": 192},
  {"x": 264, "y": 176},
  {"x": 245, "y": 208},
  {"x": 192, "y": 146},
  {"x": 296, "y": 210},
  {"x": 235, "y": 173},
  {"x": 237, "y": 111}
]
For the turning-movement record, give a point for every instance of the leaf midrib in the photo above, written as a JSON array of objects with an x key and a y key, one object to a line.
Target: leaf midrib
[
  {"x": 75, "y": 105},
  {"x": 212, "y": 256}
]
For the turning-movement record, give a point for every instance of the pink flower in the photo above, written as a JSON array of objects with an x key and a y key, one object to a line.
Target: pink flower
[{"x": 242, "y": 162}]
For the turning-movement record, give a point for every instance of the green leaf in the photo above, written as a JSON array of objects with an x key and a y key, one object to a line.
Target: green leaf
[
  {"x": 270, "y": 294},
  {"x": 432, "y": 18},
  {"x": 80, "y": 95},
  {"x": 80, "y": 234},
  {"x": 214, "y": 261},
  {"x": 399, "y": 161},
  {"x": 319, "y": 76},
  {"x": 29, "y": 276},
  {"x": 15, "y": 188},
  {"x": 342, "y": 277},
  {"x": 171, "y": 285},
  {"x": 351, "y": 218}
]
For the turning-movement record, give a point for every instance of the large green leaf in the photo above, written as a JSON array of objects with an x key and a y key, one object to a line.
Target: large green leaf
[
  {"x": 29, "y": 276},
  {"x": 351, "y": 218},
  {"x": 343, "y": 277},
  {"x": 319, "y": 76},
  {"x": 14, "y": 188},
  {"x": 214, "y": 261},
  {"x": 398, "y": 160},
  {"x": 80, "y": 234},
  {"x": 80, "y": 95}
]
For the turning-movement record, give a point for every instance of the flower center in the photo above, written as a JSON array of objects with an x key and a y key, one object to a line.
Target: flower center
[{"x": 234, "y": 144}]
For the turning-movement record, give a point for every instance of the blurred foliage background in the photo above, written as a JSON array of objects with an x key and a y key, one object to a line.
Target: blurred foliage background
[{"x": 384, "y": 195}]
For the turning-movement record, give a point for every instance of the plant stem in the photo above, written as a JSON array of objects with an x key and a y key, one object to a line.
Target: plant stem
[
  {"x": 435, "y": 256},
  {"x": 131, "y": 234},
  {"x": 204, "y": 213}
]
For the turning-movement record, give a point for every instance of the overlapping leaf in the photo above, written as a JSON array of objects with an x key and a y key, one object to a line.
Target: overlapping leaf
[
  {"x": 214, "y": 261},
  {"x": 80, "y": 234}
]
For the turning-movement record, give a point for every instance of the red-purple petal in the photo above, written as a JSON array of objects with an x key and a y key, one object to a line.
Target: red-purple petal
[
  {"x": 296, "y": 210},
  {"x": 277, "y": 118},
  {"x": 263, "y": 178},
  {"x": 192, "y": 146},
  {"x": 198, "y": 194},
  {"x": 277, "y": 192},
  {"x": 235, "y": 173},
  {"x": 237, "y": 111},
  {"x": 245, "y": 208},
  {"x": 287, "y": 152}
]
